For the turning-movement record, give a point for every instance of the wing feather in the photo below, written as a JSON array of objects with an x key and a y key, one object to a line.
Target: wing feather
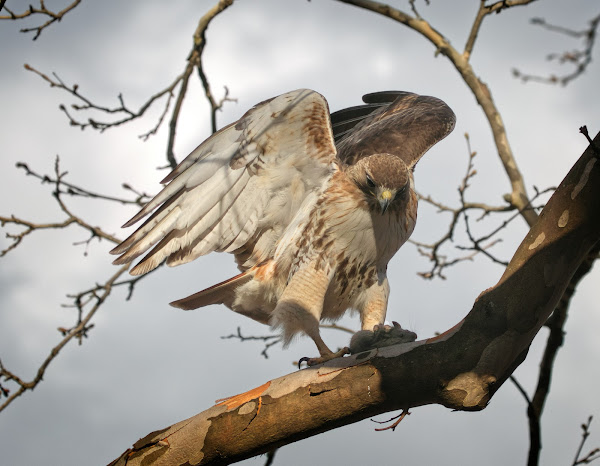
[
  {"x": 243, "y": 182},
  {"x": 405, "y": 125},
  {"x": 178, "y": 245},
  {"x": 343, "y": 121}
]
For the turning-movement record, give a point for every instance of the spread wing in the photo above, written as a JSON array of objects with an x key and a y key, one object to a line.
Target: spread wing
[
  {"x": 239, "y": 189},
  {"x": 392, "y": 122}
]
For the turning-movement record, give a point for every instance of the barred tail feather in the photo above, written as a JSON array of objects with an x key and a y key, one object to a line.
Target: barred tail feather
[{"x": 221, "y": 293}]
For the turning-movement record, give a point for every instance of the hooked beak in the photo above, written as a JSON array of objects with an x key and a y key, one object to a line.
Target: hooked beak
[{"x": 384, "y": 198}]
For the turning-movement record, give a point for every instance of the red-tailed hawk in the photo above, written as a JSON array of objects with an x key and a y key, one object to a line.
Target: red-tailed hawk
[{"x": 312, "y": 205}]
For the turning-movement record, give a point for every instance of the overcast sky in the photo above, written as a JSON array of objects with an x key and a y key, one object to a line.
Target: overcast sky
[{"x": 146, "y": 365}]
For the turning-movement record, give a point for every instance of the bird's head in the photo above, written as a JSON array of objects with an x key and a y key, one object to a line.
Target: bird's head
[{"x": 384, "y": 179}]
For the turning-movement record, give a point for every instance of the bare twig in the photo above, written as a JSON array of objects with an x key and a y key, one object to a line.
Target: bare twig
[
  {"x": 335, "y": 326},
  {"x": 272, "y": 340},
  {"x": 41, "y": 10},
  {"x": 432, "y": 250},
  {"x": 593, "y": 454},
  {"x": 271, "y": 456},
  {"x": 580, "y": 59},
  {"x": 523, "y": 392},
  {"x": 86, "y": 302},
  {"x": 122, "y": 111},
  {"x": 74, "y": 190},
  {"x": 414, "y": 8},
  {"x": 485, "y": 10},
  {"x": 518, "y": 197},
  {"x": 583, "y": 130},
  {"x": 79, "y": 331},
  {"x": 478, "y": 245},
  {"x": 199, "y": 45},
  {"x": 60, "y": 188},
  {"x": 393, "y": 426},
  {"x": 195, "y": 61},
  {"x": 269, "y": 340}
]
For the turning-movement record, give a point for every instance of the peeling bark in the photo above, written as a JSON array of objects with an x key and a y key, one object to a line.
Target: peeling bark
[{"x": 460, "y": 369}]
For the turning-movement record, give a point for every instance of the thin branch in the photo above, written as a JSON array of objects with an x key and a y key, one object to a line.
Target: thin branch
[
  {"x": 271, "y": 457},
  {"x": 414, "y": 8},
  {"x": 86, "y": 302},
  {"x": 43, "y": 11},
  {"x": 482, "y": 244},
  {"x": 335, "y": 326},
  {"x": 518, "y": 197},
  {"x": 61, "y": 187},
  {"x": 580, "y": 59},
  {"x": 583, "y": 130},
  {"x": 79, "y": 331},
  {"x": 477, "y": 247},
  {"x": 74, "y": 190},
  {"x": 122, "y": 109},
  {"x": 393, "y": 426},
  {"x": 485, "y": 10},
  {"x": 593, "y": 454},
  {"x": 196, "y": 58},
  {"x": 432, "y": 251},
  {"x": 272, "y": 340},
  {"x": 523, "y": 392},
  {"x": 195, "y": 61},
  {"x": 269, "y": 340},
  {"x": 124, "y": 114}
]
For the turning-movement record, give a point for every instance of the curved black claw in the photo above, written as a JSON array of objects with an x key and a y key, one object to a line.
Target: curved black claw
[{"x": 304, "y": 359}]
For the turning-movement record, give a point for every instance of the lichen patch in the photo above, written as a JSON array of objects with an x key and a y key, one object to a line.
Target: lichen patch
[
  {"x": 539, "y": 240},
  {"x": 564, "y": 219},
  {"x": 584, "y": 178}
]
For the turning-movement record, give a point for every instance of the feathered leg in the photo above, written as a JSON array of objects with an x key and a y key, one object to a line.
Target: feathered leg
[{"x": 300, "y": 307}]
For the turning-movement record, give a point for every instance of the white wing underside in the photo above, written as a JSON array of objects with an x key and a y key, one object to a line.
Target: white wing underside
[{"x": 240, "y": 188}]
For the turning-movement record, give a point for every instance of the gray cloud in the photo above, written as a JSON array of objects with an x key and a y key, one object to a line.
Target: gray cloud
[{"x": 146, "y": 365}]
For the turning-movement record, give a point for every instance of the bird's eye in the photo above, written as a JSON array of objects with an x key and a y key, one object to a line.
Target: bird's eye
[
  {"x": 370, "y": 182},
  {"x": 400, "y": 193}
]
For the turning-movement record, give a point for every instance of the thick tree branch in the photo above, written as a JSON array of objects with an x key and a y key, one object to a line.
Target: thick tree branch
[
  {"x": 460, "y": 369},
  {"x": 556, "y": 324}
]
